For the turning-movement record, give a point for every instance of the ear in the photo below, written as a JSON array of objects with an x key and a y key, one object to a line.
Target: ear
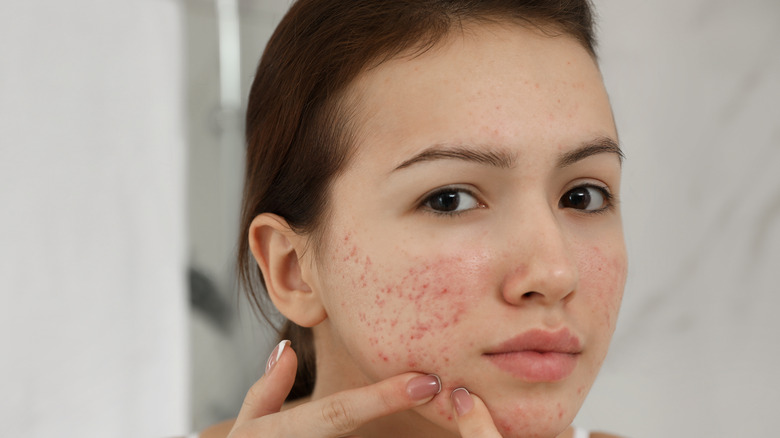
[{"x": 278, "y": 251}]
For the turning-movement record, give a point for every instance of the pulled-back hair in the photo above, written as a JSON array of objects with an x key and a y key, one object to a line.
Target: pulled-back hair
[{"x": 298, "y": 123}]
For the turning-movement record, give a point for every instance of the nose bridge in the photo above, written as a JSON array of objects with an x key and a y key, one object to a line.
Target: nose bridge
[{"x": 543, "y": 266}]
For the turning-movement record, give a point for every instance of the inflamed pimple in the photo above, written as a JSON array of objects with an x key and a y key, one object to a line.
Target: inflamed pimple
[{"x": 507, "y": 426}]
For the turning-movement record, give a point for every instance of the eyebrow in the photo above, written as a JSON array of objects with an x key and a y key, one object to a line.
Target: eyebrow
[
  {"x": 601, "y": 145},
  {"x": 494, "y": 158},
  {"x": 505, "y": 160}
]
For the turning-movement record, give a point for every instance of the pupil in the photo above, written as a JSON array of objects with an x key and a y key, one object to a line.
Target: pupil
[
  {"x": 446, "y": 201},
  {"x": 579, "y": 198}
]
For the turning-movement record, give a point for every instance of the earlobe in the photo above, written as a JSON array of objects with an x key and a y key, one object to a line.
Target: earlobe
[{"x": 278, "y": 251}]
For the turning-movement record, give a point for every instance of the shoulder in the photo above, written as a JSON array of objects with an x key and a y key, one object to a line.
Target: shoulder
[{"x": 219, "y": 430}]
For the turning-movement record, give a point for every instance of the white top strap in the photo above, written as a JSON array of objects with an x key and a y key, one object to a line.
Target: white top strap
[{"x": 581, "y": 433}]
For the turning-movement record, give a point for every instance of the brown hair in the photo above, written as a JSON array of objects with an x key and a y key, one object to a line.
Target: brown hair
[{"x": 297, "y": 123}]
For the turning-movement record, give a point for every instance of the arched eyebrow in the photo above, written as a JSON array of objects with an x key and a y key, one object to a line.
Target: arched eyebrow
[
  {"x": 494, "y": 158},
  {"x": 601, "y": 145},
  {"x": 505, "y": 160}
]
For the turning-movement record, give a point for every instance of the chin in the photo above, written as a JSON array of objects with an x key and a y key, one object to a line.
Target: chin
[
  {"x": 544, "y": 415},
  {"x": 540, "y": 411},
  {"x": 532, "y": 421}
]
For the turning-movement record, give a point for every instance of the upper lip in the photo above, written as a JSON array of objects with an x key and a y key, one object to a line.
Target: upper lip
[{"x": 542, "y": 341}]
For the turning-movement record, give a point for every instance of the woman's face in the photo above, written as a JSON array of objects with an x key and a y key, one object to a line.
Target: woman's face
[{"x": 475, "y": 233}]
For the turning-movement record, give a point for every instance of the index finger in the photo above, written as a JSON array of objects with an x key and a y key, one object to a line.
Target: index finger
[{"x": 346, "y": 411}]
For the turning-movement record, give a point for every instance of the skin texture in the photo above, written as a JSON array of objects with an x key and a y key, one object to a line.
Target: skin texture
[{"x": 395, "y": 286}]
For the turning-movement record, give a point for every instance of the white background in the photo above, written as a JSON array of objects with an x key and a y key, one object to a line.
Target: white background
[
  {"x": 104, "y": 108},
  {"x": 93, "y": 318}
]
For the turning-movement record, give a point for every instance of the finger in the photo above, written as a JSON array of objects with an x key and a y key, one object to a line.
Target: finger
[
  {"x": 267, "y": 395},
  {"x": 472, "y": 416},
  {"x": 342, "y": 413}
]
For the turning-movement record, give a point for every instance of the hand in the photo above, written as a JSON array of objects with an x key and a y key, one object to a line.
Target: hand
[
  {"x": 332, "y": 416},
  {"x": 472, "y": 416}
]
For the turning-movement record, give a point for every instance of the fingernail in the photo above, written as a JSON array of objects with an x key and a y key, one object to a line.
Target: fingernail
[
  {"x": 423, "y": 387},
  {"x": 462, "y": 401},
  {"x": 275, "y": 355}
]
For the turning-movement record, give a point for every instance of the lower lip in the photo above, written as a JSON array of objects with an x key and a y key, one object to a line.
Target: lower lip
[{"x": 534, "y": 366}]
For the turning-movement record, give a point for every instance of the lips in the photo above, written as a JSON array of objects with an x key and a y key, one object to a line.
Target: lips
[{"x": 537, "y": 355}]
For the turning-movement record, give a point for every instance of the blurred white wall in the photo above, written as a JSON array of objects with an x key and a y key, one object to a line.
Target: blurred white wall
[
  {"x": 695, "y": 86},
  {"x": 92, "y": 252},
  {"x": 226, "y": 358}
]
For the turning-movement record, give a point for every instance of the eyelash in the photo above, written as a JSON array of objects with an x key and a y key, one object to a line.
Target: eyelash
[
  {"x": 609, "y": 200},
  {"x": 449, "y": 189}
]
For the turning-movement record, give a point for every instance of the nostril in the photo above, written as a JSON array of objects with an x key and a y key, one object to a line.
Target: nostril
[{"x": 531, "y": 295}]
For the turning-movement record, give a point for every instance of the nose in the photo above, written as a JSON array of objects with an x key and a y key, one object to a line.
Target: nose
[{"x": 543, "y": 266}]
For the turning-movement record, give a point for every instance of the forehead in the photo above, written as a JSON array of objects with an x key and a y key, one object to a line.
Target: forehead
[{"x": 506, "y": 86}]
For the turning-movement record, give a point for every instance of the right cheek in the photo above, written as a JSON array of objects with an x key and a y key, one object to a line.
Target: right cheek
[{"x": 413, "y": 324}]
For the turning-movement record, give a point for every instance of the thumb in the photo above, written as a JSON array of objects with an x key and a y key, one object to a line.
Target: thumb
[
  {"x": 267, "y": 395},
  {"x": 472, "y": 416}
]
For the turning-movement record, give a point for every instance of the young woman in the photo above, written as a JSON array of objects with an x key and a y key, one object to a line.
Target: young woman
[{"x": 431, "y": 198}]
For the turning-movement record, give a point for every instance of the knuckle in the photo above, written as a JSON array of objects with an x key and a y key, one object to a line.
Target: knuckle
[
  {"x": 253, "y": 395},
  {"x": 240, "y": 432},
  {"x": 388, "y": 401},
  {"x": 338, "y": 415}
]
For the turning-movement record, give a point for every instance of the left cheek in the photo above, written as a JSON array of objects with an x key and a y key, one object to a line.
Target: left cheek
[{"x": 602, "y": 278}]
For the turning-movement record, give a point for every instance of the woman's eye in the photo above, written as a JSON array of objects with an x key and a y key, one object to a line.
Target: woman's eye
[
  {"x": 449, "y": 201},
  {"x": 586, "y": 198}
]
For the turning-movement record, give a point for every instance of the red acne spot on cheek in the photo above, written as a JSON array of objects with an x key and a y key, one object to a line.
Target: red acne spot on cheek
[
  {"x": 419, "y": 330},
  {"x": 505, "y": 426},
  {"x": 604, "y": 275},
  {"x": 417, "y": 305},
  {"x": 444, "y": 412},
  {"x": 351, "y": 255}
]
